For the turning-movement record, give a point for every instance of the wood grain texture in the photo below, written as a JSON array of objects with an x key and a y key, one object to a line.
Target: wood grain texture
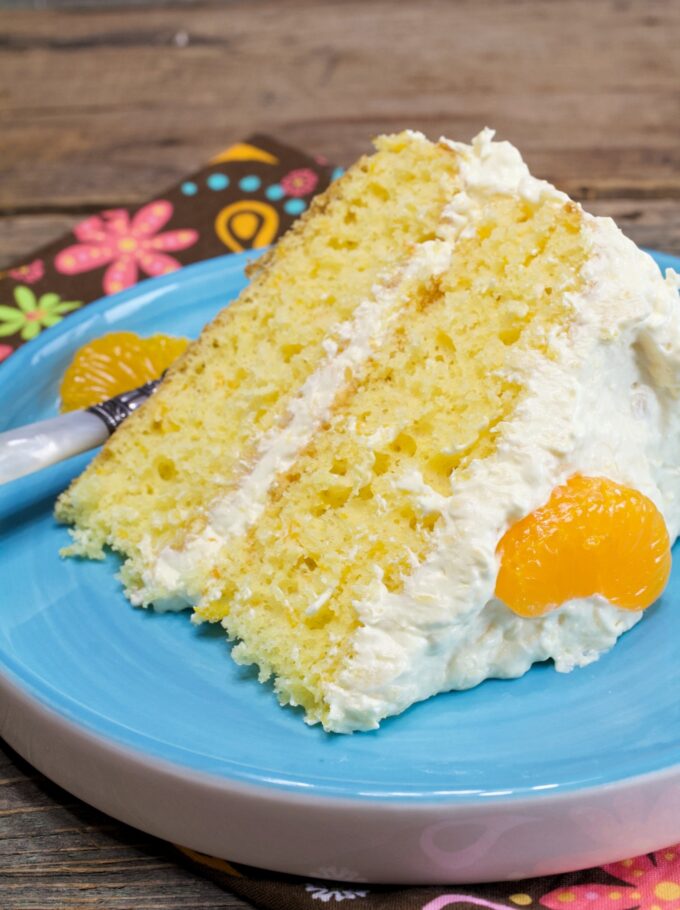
[
  {"x": 56, "y": 852},
  {"x": 19, "y": 234},
  {"x": 111, "y": 107},
  {"x": 102, "y": 107},
  {"x": 98, "y": 108}
]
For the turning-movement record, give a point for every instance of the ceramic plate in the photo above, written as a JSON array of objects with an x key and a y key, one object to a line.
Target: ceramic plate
[{"x": 146, "y": 717}]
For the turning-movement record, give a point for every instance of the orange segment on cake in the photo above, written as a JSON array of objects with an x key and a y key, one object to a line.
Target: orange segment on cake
[{"x": 434, "y": 441}]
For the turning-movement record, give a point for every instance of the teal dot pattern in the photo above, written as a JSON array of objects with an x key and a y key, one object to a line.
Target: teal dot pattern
[
  {"x": 275, "y": 192},
  {"x": 217, "y": 181},
  {"x": 250, "y": 184},
  {"x": 294, "y": 206}
]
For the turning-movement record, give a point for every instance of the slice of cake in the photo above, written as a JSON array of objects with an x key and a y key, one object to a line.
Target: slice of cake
[{"x": 434, "y": 441}]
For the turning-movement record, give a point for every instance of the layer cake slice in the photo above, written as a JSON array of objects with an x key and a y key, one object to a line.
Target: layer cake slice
[{"x": 331, "y": 469}]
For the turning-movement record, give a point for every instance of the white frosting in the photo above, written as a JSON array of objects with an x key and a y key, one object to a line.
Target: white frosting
[
  {"x": 169, "y": 577},
  {"x": 607, "y": 404},
  {"x": 489, "y": 168}
]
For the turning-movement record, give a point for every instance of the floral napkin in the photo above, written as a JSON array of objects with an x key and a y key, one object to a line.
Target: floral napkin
[
  {"x": 243, "y": 199},
  {"x": 649, "y": 882}
]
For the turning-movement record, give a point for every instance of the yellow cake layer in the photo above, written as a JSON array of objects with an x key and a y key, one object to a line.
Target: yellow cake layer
[
  {"x": 154, "y": 480},
  {"x": 430, "y": 401}
]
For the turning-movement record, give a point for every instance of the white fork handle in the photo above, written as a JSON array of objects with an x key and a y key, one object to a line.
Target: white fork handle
[{"x": 37, "y": 445}]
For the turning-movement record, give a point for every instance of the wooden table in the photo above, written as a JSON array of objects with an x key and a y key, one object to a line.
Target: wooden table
[{"x": 101, "y": 107}]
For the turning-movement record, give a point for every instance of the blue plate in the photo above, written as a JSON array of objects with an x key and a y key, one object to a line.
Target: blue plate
[{"x": 167, "y": 690}]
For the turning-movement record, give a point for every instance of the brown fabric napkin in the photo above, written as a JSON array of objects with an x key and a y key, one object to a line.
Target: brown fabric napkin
[
  {"x": 650, "y": 882},
  {"x": 244, "y": 199}
]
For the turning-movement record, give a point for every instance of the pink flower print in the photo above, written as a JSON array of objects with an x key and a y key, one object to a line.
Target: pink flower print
[
  {"x": 445, "y": 899},
  {"x": 125, "y": 246},
  {"x": 648, "y": 882},
  {"x": 5, "y": 351},
  {"x": 299, "y": 182},
  {"x": 29, "y": 273}
]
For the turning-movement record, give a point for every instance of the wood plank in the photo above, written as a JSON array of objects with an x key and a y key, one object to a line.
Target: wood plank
[
  {"x": 58, "y": 853},
  {"x": 108, "y": 105},
  {"x": 21, "y": 234}
]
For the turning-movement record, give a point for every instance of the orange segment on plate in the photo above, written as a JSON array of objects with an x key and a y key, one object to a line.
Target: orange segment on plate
[
  {"x": 116, "y": 363},
  {"x": 593, "y": 536}
]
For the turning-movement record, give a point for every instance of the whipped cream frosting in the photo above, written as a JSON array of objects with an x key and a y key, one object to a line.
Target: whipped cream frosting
[{"x": 605, "y": 404}]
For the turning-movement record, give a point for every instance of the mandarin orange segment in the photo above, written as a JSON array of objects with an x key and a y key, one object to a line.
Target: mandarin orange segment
[
  {"x": 116, "y": 363},
  {"x": 593, "y": 536}
]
